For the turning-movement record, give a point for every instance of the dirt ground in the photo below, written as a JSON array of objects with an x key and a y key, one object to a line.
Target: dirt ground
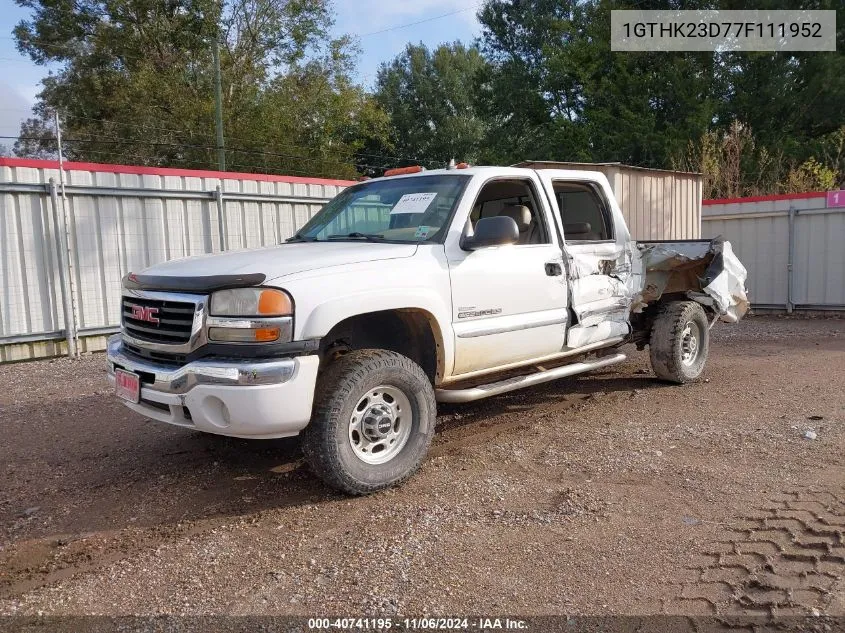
[{"x": 609, "y": 493}]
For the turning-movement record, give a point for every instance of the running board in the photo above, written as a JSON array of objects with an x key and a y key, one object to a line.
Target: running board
[{"x": 519, "y": 382}]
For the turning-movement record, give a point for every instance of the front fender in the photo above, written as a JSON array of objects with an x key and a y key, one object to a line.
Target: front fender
[{"x": 324, "y": 316}]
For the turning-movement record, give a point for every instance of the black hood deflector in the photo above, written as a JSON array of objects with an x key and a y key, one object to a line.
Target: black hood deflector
[{"x": 203, "y": 284}]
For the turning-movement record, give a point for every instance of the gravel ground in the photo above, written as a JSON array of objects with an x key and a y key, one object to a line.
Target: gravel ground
[{"x": 609, "y": 493}]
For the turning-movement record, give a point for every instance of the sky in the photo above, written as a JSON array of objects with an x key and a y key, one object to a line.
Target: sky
[{"x": 383, "y": 29}]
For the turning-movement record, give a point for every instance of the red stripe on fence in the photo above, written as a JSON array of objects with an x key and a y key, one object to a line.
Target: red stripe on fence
[
  {"x": 168, "y": 171},
  {"x": 780, "y": 196}
]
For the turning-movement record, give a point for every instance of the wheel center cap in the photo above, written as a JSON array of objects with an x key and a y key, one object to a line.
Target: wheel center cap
[
  {"x": 693, "y": 344},
  {"x": 377, "y": 422}
]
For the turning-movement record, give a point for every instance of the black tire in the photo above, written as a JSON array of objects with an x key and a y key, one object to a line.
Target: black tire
[
  {"x": 326, "y": 440},
  {"x": 670, "y": 347}
]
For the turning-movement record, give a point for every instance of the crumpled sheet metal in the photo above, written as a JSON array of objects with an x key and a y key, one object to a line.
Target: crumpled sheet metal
[
  {"x": 603, "y": 289},
  {"x": 725, "y": 278},
  {"x": 722, "y": 283}
]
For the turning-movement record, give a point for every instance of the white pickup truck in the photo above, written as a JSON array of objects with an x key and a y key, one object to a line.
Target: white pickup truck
[{"x": 436, "y": 286}]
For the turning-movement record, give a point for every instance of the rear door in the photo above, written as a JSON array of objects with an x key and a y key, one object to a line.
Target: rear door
[{"x": 598, "y": 252}]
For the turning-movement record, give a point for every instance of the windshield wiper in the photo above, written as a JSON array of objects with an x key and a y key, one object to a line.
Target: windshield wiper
[
  {"x": 299, "y": 237},
  {"x": 372, "y": 237}
]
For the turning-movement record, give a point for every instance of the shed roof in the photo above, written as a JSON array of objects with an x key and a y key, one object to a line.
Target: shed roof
[{"x": 551, "y": 164}]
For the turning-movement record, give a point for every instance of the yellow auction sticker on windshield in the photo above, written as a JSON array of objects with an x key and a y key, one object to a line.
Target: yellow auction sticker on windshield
[{"x": 413, "y": 203}]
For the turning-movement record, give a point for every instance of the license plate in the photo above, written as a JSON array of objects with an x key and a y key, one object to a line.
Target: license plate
[{"x": 127, "y": 385}]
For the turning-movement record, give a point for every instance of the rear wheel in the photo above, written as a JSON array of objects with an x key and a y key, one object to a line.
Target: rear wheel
[
  {"x": 373, "y": 421},
  {"x": 680, "y": 341}
]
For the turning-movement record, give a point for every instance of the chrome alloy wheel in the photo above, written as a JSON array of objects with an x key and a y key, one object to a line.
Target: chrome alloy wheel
[
  {"x": 690, "y": 343},
  {"x": 380, "y": 424}
]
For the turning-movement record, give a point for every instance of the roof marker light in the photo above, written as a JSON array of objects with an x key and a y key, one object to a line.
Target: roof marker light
[{"x": 403, "y": 170}]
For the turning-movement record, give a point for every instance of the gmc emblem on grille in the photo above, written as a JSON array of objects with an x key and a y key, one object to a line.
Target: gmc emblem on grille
[{"x": 143, "y": 313}]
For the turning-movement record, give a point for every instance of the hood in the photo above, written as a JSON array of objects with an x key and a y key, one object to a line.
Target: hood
[{"x": 281, "y": 260}]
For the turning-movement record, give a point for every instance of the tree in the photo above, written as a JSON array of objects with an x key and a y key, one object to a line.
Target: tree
[
  {"x": 790, "y": 99},
  {"x": 557, "y": 91},
  {"x": 528, "y": 94},
  {"x": 734, "y": 163},
  {"x": 780, "y": 127},
  {"x": 432, "y": 100},
  {"x": 37, "y": 139},
  {"x": 137, "y": 83}
]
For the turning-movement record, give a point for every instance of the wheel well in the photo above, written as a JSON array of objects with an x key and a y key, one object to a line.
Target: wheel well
[
  {"x": 411, "y": 332},
  {"x": 643, "y": 322}
]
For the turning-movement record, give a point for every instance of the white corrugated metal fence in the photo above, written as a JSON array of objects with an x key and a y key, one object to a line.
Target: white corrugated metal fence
[
  {"x": 792, "y": 247},
  {"x": 73, "y": 254}
]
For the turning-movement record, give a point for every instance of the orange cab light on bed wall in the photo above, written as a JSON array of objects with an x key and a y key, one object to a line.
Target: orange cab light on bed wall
[{"x": 403, "y": 170}]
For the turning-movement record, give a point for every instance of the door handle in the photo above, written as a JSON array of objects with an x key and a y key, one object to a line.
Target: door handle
[{"x": 553, "y": 269}]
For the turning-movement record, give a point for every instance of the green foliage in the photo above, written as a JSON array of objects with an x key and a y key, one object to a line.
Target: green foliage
[
  {"x": 37, "y": 139},
  {"x": 735, "y": 164},
  {"x": 137, "y": 84},
  {"x": 731, "y": 163},
  {"x": 559, "y": 93},
  {"x": 831, "y": 149},
  {"x": 556, "y": 91},
  {"x": 810, "y": 175},
  {"x": 431, "y": 98},
  {"x": 541, "y": 82}
]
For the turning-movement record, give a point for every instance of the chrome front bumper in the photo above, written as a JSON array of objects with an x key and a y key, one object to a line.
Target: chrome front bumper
[
  {"x": 169, "y": 379},
  {"x": 240, "y": 398}
]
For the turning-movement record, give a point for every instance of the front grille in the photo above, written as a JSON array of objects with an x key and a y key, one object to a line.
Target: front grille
[
  {"x": 175, "y": 321},
  {"x": 161, "y": 357}
]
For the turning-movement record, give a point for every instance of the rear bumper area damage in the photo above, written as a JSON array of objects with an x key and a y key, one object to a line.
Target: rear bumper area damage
[
  {"x": 706, "y": 271},
  {"x": 265, "y": 398}
]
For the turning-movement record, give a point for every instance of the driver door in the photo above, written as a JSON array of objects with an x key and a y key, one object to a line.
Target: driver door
[{"x": 509, "y": 303}]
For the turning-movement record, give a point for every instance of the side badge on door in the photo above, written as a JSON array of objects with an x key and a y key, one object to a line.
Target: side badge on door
[{"x": 479, "y": 313}]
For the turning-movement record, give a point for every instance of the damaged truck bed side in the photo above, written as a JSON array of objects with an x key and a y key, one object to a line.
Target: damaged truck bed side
[
  {"x": 436, "y": 286},
  {"x": 706, "y": 271}
]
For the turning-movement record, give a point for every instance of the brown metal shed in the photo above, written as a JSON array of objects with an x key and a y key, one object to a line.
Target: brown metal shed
[{"x": 658, "y": 204}]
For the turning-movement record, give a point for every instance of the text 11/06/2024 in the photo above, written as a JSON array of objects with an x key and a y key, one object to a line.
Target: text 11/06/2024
[{"x": 418, "y": 624}]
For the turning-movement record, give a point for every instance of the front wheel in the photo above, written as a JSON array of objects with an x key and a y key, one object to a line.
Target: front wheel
[
  {"x": 680, "y": 341},
  {"x": 373, "y": 421}
]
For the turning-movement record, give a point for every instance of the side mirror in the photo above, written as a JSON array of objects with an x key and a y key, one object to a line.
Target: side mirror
[{"x": 496, "y": 231}]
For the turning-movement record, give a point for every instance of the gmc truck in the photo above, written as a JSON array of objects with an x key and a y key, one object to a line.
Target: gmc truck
[{"x": 420, "y": 287}]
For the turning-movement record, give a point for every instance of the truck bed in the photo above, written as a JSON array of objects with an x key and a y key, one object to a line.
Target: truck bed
[{"x": 705, "y": 270}]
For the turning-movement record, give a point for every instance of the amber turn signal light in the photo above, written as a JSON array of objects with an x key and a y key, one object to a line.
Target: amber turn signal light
[
  {"x": 244, "y": 335},
  {"x": 274, "y": 303}
]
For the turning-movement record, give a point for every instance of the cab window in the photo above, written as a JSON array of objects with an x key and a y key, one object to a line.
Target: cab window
[
  {"x": 584, "y": 214},
  {"x": 516, "y": 199}
]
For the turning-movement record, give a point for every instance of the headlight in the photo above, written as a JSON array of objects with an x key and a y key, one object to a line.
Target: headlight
[
  {"x": 251, "y": 302},
  {"x": 250, "y": 315}
]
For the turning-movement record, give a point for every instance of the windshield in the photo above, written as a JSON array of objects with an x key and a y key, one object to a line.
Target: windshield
[{"x": 411, "y": 210}]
